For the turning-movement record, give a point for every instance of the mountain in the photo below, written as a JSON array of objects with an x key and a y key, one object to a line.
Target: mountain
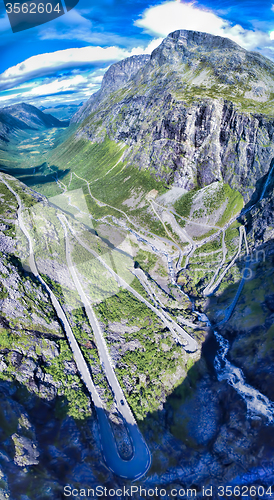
[
  {"x": 115, "y": 77},
  {"x": 24, "y": 117},
  {"x": 25, "y": 134},
  {"x": 151, "y": 223},
  {"x": 62, "y": 111},
  {"x": 198, "y": 110}
]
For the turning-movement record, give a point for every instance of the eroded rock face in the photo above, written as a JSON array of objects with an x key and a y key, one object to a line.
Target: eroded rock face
[
  {"x": 260, "y": 219},
  {"x": 115, "y": 77},
  {"x": 184, "y": 113},
  {"x": 195, "y": 145},
  {"x": 26, "y": 452}
]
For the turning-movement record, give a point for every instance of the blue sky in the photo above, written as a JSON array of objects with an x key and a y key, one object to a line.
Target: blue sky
[{"x": 65, "y": 59}]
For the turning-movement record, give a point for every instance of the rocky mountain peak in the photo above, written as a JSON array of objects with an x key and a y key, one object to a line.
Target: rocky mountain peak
[
  {"x": 196, "y": 39},
  {"x": 185, "y": 46},
  {"x": 223, "y": 59},
  {"x": 207, "y": 64},
  {"x": 186, "y": 107},
  {"x": 121, "y": 72},
  {"x": 115, "y": 77}
]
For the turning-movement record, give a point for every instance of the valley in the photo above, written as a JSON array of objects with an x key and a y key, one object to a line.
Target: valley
[{"x": 135, "y": 250}]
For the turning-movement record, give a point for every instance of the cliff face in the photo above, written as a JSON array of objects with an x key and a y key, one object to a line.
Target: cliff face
[
  {"x": 196, "y": 111},
  {"x": 260, "y": 219},
  {"x": 193, "y": 145},
  {"x": 115, "y": 77}
]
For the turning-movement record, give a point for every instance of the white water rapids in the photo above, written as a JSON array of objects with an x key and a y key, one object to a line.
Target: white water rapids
[{"x": 257, "y": 403}]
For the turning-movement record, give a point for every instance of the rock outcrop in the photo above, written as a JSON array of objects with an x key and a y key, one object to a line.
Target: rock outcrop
[{"x": 115, "y": 77}]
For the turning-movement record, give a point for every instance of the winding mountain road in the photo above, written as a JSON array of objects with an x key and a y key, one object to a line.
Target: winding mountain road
[
  {"x": 181, "y": 336},
  {"x": 141, "y": 459},
  {"x": 212, "y": 287}
]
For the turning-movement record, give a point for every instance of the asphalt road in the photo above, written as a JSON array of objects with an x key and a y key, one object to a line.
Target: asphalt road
[
  {"x": 141, "y": 459},
  {"x": 191, "y": 346}
]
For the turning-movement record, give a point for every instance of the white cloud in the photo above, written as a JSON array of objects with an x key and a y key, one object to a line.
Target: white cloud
[
  {"x": 69, "y": 59},
  {"x": 76, "y": 87},
  {"x": 170, "y": 16},
  {"x": 50, "y": 63},
  {"x": 9, "y": 99},
  {"x": 56, "y": 86}
]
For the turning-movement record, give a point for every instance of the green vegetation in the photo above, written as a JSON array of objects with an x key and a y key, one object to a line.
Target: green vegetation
[
  {"x": 147, "y": 260},
  {"x": 84, "y": 336},
  {"x": 190, "y": 93},
  {"x": 100, "y": 165},
  {"x": 212, "y": 199},
  {"x": 97, "y": 279},
  {"x": 205, "y": 235},
  {"x": 25, "y": 153},
  {"x": 184, "y": 204},
  {"x": 234, "y": 205},
  {"x": 7, "y": 200},
  {"x": 3, "y": 292},
  {"x": 232, "y": 240},
  {"x": 154, "y": 353},
  {"x": 148, "y": 221},
  {"x": 105, "y": 180},
  {"x": 7, "y": 339},
  {"x": 211, "y": 246},
  {"x": 70, "y": 386},
  {"x": 27, "y": 199}
]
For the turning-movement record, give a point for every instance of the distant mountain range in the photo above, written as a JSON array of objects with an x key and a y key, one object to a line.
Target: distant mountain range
[
  {"x": 62, "y": 111},
  {"x": 24, "y": 117}
]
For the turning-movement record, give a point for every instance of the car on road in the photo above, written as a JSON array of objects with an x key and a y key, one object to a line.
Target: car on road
[{"x": 122, "y": 402}]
